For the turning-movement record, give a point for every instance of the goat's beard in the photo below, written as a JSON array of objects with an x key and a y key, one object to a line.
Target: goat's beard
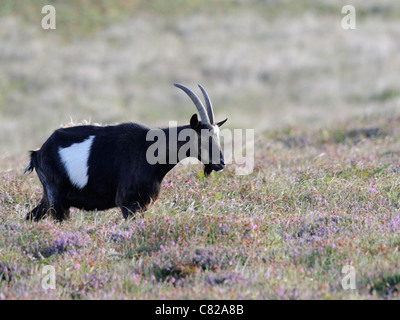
[{"x": 207, "y": 169}]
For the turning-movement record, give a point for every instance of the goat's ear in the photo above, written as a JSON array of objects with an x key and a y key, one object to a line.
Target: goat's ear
[
  {"x": 221, "y": 122},
  {"x": 194, "y": 122}
]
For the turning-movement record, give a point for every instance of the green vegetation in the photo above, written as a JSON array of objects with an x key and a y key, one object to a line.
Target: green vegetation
[
  {"x": 324, "y": 104},
  {"x": 283, "y": 232}
]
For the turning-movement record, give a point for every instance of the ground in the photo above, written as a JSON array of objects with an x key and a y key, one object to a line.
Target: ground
[
  {"x": 323, "y": 197},
  {"x": 317, "y": 201}
]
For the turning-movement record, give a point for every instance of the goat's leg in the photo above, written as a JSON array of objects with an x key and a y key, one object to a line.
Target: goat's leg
[
  {"x": 128, "y": 204},
  {"x": 127, "y": 199},
  {"x": 55, "y": 197},
  {"x": 39, "y": 211},
  {"x": 59, "y": 212},
  {"x": 129, "y": 211}
]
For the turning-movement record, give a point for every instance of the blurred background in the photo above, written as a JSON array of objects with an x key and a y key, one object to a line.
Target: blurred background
[{"x": 267, "y": 64}]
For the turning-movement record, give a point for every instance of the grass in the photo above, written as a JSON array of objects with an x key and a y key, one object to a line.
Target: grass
[
  {"x": 283, "y": 232},
  {"x": 114, "y": 63},
  {"x": 325, "y": 108}
]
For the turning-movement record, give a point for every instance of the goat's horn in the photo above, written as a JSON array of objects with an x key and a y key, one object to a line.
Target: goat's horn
[
  {"x": 200, "y": 108},
  {"x": 209, "y": 107}
]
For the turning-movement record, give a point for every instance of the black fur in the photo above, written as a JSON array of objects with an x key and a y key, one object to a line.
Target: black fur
[{"x": 118, "y": 172}]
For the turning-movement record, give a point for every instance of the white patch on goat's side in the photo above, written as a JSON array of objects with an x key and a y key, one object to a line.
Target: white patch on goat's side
[{"x": 75, "y": 160}]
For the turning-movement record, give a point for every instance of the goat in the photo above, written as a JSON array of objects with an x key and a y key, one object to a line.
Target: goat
[{"x": 102, "y": 167}]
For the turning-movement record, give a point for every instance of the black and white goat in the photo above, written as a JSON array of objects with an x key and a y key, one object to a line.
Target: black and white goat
[{"x": 101, "y": 167}]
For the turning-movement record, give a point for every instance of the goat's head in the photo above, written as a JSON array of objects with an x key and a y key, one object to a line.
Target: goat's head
[{"x": 208, "y": 143}]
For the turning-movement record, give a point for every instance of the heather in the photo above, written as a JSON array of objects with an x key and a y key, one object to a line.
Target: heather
[
  {"x": 283, "y": 232},
  {"x": 324, "y": 192}
]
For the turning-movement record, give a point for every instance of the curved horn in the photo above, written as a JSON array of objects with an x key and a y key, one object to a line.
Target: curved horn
[
  {"x": 209, "y": 107},
  {"x": 200, "y": 108}
]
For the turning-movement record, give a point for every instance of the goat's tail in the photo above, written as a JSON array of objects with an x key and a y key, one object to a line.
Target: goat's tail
[{"x": 32, "y": 162}]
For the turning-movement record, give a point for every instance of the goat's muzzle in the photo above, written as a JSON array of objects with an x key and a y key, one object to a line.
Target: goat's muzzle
[
  {"x": 219, "y": 167},
  {"x": 208, "y": 168}
]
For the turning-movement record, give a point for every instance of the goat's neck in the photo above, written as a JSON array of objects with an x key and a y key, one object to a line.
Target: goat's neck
[{"x": 172, "y": 150}]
